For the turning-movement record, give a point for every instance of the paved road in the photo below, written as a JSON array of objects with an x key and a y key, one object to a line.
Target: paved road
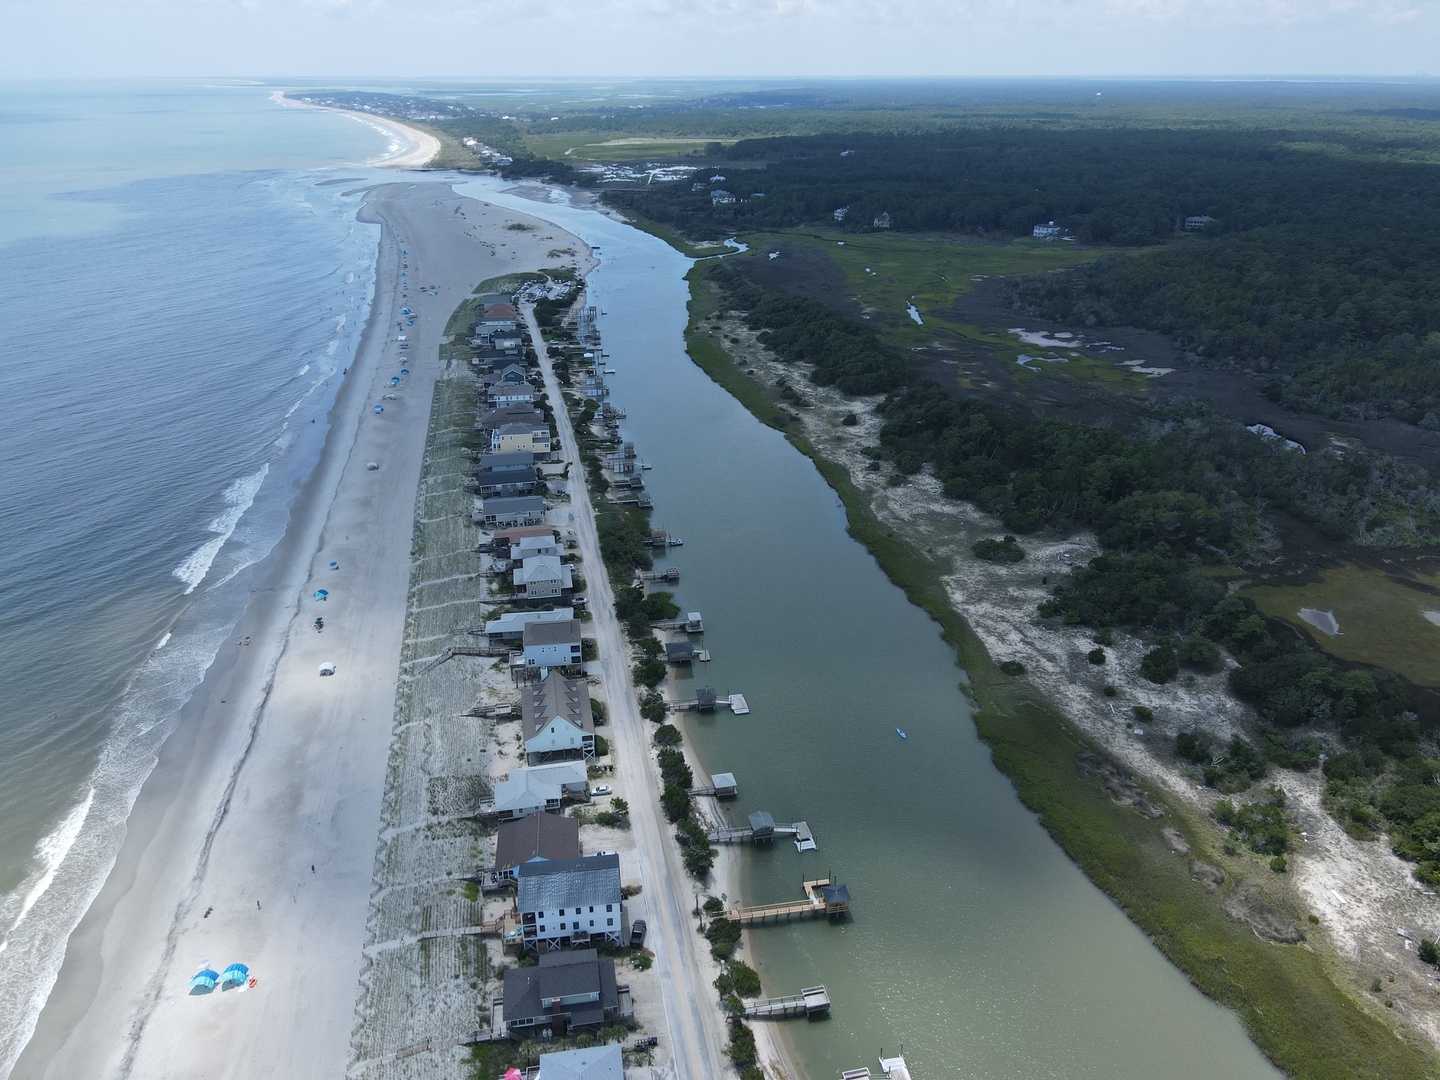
[{"x": 696, "y": 1029}]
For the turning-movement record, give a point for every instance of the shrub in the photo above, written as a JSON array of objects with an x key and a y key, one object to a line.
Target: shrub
[
  {"x": 1012, "y": 667},
  {"x": 741, "y": 1050},
  {"x": 1429, "y": 951},
  {"x": 666, "y": 735},
  {"x": 1109, "y": 691},
  {"x": 602, "y": 746},
  {"x": 1096, "y": 656},
  {"x": 746, "y": 979},
  {"x": 1143, "y": 712},
  {"x": 850, "y": 419},
  {"x": 1160, "y": 664},
  {"x": 675, "y": 801},
  {"x": 1201, "y": 654},
  {"x": 1278, "y": 864},
  {"x": 713, "y": 905},
  {"x": 1005, "y": 550},
  {"x": 652, "y": 707}
]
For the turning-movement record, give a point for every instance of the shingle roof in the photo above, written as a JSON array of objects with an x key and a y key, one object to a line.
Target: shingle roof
[
  {"x": 548, "y": 886},
  {"x": 554, "y": 632},
  {"x": 539, "y": 836},
  {"x": 562, "y": 974}
]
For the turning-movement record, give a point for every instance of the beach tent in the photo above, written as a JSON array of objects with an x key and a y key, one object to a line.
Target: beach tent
[
  {"x": 404, "y": 371},
  {"x": 379, "y": 408},
  {"x": 235, "y": 974},
  {"x": 321, "y": 594},
  {"x": 334, "y": 566},
  {"x": 327, "y": 668},
  {"x": 203, "y": 982},
  {"x": 372, "y": 465}
]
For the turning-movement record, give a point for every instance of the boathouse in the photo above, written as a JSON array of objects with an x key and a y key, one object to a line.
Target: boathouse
[
  {"x": 762, "y": 827},
  {"x": 679, "y": 652}
]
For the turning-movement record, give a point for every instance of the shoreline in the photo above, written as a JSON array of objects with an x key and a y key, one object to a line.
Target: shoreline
[
  {"x": 252, "y": 790},
  {"x": 424, "y": 147}
]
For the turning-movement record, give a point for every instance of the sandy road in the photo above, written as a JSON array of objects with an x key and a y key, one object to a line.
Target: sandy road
[{"x": 696, "y": 1029}]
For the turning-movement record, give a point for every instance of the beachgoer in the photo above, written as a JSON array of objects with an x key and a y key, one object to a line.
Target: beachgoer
[{"x": 257, "y": 905}]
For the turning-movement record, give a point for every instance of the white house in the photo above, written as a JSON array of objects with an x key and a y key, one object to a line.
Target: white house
[
  {"x": 552, "y": 644},
  {"x": 533, "y": 791},
  {"x": 592, "y": 1063},
  {"x": 541, "y": 577},
  {"x": 1045, "y": 232},
  {"x": 556, "y": 719},
  {"x": 569, "y": 902}
]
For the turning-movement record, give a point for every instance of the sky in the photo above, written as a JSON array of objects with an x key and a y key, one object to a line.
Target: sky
[{"x": 483, "y": 39}]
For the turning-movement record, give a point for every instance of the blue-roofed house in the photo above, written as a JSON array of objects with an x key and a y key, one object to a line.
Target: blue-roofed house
[
  {"x": 593, "y": 1063},
  {"x": 569, "y": 902}
]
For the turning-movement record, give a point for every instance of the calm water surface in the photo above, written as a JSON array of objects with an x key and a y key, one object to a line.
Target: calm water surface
[{"x": 975, "y": 942}]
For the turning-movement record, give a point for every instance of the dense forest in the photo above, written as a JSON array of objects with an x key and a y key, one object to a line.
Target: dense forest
[{"x": 1187, "y": 494}]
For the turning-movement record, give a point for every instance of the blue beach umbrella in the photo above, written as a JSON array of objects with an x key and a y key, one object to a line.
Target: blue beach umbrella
[
  {"x": 235, "y": 974},
  {"x": 394, "y": 380},
  {"x": 203, "y": 982},
  {"x": 404, "y": 371},
  {"x": 379, "y": 408},
  {"x": 321, "y": 594},
  {"x": 334, "y": 566}
]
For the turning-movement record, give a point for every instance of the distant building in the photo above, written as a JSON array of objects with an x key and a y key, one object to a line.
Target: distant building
[
  {"x": 1198, "y": 222},
  {"x": 840, "y": 212},
  {"x": 511, "y": 626},
  {"x": 883, "y": 221},
  {"x": 531, "y": 438},
  {"x": 1048, "y": 231},
  {"x": 679, "y": 652},
  {"x": 530, "y": 546},
  {"x": 506, "y": 482},
  {"x": 719, "y": 197}
]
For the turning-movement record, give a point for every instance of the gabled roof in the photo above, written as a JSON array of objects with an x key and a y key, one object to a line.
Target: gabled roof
[
  {"x": 574, "y": 973},
  {"x": 556, "y": 698},
  {"x": 554, "y": 632},
  {"x": 515, "y": 622},
  {"x": 539, "y": 836},
  {"x": 519, "y": 502},
  {"x": 521, "y": 791},
  {"x": 567, "y": 883},
  {"x": 536, "y": 567},
  {"x": 679, "y": 650}
]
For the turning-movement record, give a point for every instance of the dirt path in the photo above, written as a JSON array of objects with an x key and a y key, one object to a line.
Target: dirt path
[{"x": 696, "y": 1034}]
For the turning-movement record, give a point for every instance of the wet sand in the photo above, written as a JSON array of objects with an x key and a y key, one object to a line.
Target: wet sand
[{"x": 264, "y": 807}]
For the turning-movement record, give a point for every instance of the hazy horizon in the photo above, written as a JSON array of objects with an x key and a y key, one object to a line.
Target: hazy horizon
[{"x": 500, "y": 39}]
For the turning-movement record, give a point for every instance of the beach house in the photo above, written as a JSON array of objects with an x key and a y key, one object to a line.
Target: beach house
[
  {"x": 532, "y": 436},
  {"x": 506, "y": 462},
  {"x": 502, "y": 513},
  {"x": 552, "y": 643},
  {"x": 505, "y": 482},
  {"x": 535, "y": 838},
  {"x": 541, "y": 577},
  {"x": 555, "y": 718},
  {"x": 592, "y": 1063},
  {"x": 530, "y": 546},
  {"x": 511, "y": 626},
  {"x": 564, "y": 994},
  {"x": 573, "y": 902},
  {"x": 1048, "y": 231}
]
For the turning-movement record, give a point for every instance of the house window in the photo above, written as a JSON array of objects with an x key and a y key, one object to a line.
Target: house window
[
  {"x": 609, "y": 922},
  {"x": 562, "y": 925},
  {"x": 592, "y": 909},
  {"x": 609, "y": 907}
]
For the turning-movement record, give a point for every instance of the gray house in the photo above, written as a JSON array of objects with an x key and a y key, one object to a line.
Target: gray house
[
  {"x": 503, "y": 513},
  {"x": 569, "y": 902},
  {"x": 505, "y": 483},
  {"x": 563, "y": 994}
]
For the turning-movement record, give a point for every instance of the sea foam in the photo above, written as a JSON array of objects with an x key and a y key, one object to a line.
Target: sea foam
[
  {"x": 240, "y": 494},
  {"x": 50, "y": 852}
]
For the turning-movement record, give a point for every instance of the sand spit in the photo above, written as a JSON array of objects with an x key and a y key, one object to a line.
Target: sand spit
[
  {"x": 411, "y": 148},
  {"x": 254, "y": 838},
  {"x": 1371, "y": 910}
]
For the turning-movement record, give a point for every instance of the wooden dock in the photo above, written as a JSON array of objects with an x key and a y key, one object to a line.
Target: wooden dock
[
  {"x": 736, "y": 703},
  {"x": 812, "y": 1003},
  {"x": 891, "y": 1068},
  {"x": 463, "y": 650},
  {"x": 821, "y": 898},
  {"x": 669, "y": 573}
]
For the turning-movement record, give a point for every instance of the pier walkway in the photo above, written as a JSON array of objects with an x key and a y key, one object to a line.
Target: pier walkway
[
  {"x": 812, "y": 1003},
  {"x": 821, "y": 898}
]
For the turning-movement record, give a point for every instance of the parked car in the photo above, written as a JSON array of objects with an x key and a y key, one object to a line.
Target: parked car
[
  {"x": 637, "y": 933},
  {"x": 603, "y": 789}
]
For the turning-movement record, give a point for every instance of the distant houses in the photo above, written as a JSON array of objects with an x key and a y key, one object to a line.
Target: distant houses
[
  {"x": 1198, "y": 222},
  {"x": 839, "y": 213},
  {"x": 503, "y": 513},
  {"x": 543, "y": 577},
  {"x": 538, "y": 789},
  {"x": 883, "y": 221},
  {"x": 554, "y": 643},
  {"x": 1048, "y": 231}
]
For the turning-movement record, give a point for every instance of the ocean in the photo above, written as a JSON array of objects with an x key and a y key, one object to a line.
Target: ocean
[{"x": 183, "y": 296}]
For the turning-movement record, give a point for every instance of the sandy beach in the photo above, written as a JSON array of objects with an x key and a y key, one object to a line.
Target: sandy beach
[
  {"x": 422, "y": 145},
  {"x": 254, "y": 839}
]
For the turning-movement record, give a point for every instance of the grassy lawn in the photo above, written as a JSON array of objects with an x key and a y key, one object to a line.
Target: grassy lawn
[{"x": 1381, "y": 619}]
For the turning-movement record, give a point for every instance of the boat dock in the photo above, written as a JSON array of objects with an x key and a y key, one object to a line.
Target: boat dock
[
  {"x": 692, "y": 623},
  {"x": 669, "y": 573},
  {"x": 892, "y": 1068},
  {"x": 761, "y": 829},
  {"x": 821, "y": 898},
  {"x": 706, "y": 701},
  {"x": 812, "y": 1003}
]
